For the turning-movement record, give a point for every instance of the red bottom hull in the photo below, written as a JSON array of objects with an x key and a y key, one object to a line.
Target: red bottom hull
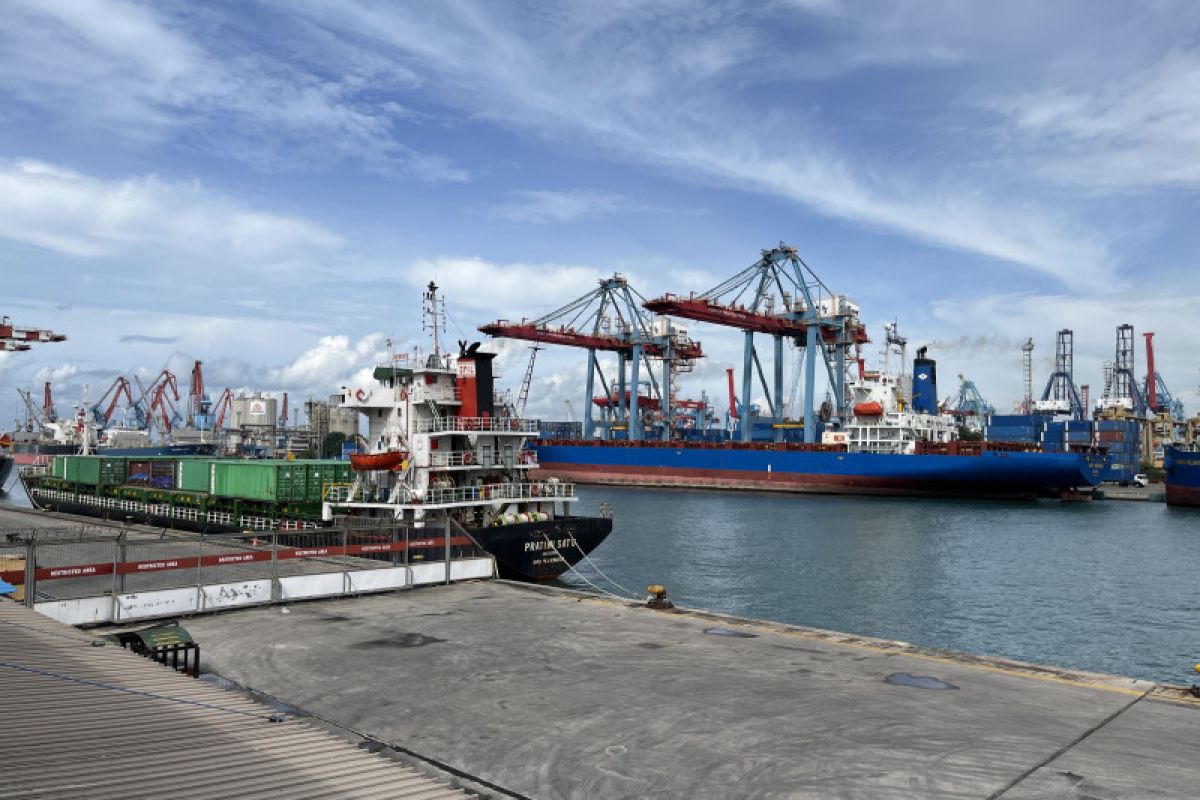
[
  {"x": 1183, "y": 495},
  {"x": 682, "y": 478}
]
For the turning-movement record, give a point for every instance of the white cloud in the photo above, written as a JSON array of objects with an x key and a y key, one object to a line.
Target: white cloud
[
  {"x": 513, "y": 290},
  {"x": 55, "y": 208},
  {"x": 334, "y": 361}
]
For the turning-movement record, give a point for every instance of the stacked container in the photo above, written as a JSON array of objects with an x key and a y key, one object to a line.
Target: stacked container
[
  {"x": 1123, "y": 442},
  {"x": 1024, "y": 428}
]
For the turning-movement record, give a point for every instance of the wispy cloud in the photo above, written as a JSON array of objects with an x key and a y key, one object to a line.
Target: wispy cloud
[
  {"x": 139, "y": 338},
  {"x": 672, "y": 108},
  {"x": 541, "y": 205},
  {"x": 144, "y": 75},
  {"x": 55, "y": 208},
  {"x": 1137, "y": 131}
]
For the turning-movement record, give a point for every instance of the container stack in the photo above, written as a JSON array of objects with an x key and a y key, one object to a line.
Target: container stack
[
  {"x": 1023, "y": 428},
  {"x": 1122, "y": 440}
]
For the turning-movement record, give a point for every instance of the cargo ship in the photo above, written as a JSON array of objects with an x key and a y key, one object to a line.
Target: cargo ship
[
  {"x": 1182, "y": 468},
  {"x": 895, "y": 442},
  {"x": 440, "y": 456}
]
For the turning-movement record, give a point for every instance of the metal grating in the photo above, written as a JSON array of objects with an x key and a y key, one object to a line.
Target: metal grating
[{"x": 101, "y": 722}]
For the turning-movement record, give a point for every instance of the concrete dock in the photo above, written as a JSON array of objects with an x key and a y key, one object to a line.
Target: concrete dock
[{"x": 546, "y": 693}]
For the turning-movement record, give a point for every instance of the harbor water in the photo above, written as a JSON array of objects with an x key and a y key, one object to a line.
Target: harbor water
[{"x": 1107, "y": 586}]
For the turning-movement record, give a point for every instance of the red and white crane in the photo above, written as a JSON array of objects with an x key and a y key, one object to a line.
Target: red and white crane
[{"x": 16, "y": 337}]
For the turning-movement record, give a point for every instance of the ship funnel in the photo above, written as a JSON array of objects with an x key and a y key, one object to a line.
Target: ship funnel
[{"x": 924, "y": 390}]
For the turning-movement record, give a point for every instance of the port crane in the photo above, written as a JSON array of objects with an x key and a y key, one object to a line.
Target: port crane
[
  {"x": 780, "y": 296},
  {"x": 221, "y": 408},
  {"x": 120, "y": 387},
  {"x": 610, "y": 319},
  {"x": 1060, "y": 395},
  {"x": 968, "y": 406},
  {"x": 160, "y": 406},
  {"x": 16, "y": 338}
]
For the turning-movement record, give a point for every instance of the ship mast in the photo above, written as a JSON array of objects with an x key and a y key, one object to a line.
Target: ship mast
[{"x": 434, "y": 312}]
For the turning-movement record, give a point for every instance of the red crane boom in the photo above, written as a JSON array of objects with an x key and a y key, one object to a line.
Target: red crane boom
[
  {"x": 222, "y": 407},
  {"x": 15, "y": 337}
]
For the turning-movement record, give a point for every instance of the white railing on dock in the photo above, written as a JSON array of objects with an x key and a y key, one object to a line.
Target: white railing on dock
[
  {"x": 536, "y": 490},
  {"x": 475, "y": 425}
]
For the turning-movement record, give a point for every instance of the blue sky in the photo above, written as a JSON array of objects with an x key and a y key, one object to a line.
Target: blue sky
[{"x": 266, "y": 185}]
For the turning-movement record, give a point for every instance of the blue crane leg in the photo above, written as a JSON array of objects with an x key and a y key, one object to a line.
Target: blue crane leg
[
  {"x": 747, "y": 361},
  {"x": 778, "y": 386},
  {"x": 812, "y": 342},
  {"x": 840, "y": 375},
  {"x": 622, "y": 404},
  {"x": 635, "y": 409},
  {"x": 588, "y": 425},
  {"x": 666, "y": 396}
]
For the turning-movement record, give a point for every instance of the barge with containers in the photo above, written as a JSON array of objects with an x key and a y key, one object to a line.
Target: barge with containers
[
  {"x": 895, "y": 443},
  {"x": 440, "y": 458},
  {"x": 1182, "y": 476}
]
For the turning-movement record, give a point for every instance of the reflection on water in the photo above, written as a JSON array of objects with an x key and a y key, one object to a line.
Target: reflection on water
[{"x": 1106, "y": 586}]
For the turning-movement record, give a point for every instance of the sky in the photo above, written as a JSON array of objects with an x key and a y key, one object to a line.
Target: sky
[{"x": 266, "y": 186}]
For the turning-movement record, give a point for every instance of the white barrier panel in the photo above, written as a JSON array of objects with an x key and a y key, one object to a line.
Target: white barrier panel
[
  {"x": 84, "y": 611},
  {"x": 160, "y": 603},
  {"x": 372, "y": 580},
  {"x": 244, "y": 593},
  {"x": 298, "y": 587},
  {"x": 468, "y": 568},
  {"x": 423, "y": 574}
]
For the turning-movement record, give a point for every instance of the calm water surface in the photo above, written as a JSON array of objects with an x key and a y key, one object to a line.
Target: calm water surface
[{"x": 1107, "y": 586}]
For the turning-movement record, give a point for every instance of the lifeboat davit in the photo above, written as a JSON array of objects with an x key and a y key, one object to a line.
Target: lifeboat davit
[
  {"x": 366, "y": 462},
  {"x": 871, "y": 408}
]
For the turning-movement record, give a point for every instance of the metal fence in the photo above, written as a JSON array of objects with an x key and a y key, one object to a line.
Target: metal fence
[{"x": 132, "y": 569}]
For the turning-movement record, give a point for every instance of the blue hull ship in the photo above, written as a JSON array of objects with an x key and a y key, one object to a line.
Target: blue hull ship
[
  {"x": 978, "y": 470},
  {"x": 1182, "y": 469}
]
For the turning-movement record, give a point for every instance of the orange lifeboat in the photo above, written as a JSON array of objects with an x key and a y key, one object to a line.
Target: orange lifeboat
[
  {"x": 366, "y": 462},
  {"x": 871, "y": 408}
]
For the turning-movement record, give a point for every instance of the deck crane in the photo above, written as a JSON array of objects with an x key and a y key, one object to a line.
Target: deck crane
[
  {"x": 610, "y": 319},
  {"x": 112, "y": 396},
  {"x": 807, "y": 312},
  {"x": 15, "y": 337},
  {"x": 33, "y": 414}
]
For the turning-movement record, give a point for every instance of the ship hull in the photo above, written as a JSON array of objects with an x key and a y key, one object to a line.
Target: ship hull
[
  {"x": 1182, "y": 469},
  {"x": 6, "y": 467},
  {"x": 988, "y": 474},
  {"x": 542, "y": 551},
  {"x": 524, "y": 551}
]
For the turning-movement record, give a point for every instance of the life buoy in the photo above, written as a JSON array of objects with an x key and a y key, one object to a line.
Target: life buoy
[
  {"x": 468, "y": 457},
  {"x": 360, "y": 395}
]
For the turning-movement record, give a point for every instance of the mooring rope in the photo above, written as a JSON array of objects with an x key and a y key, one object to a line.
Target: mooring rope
[{"x": 583, "y": 577}]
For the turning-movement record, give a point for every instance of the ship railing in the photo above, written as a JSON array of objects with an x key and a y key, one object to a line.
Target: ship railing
[
  {"x": 469, "y": 458},
  {"x": 475, "y": 425},
  {"x": 35, "y": 470},
  {"x": 531, "y": 490}
]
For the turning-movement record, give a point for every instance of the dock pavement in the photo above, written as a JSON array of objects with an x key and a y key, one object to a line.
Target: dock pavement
[{"x": 546, "y": 693}]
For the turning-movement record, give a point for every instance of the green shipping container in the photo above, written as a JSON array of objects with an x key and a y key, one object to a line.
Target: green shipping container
[
  {"x": 194, "y": 476},
  {"x": 83, "y": 469},
  {"x": 59, "y": 468},
  {"x": 112, "y": 471},
  {"x": 276, "y": 481}
]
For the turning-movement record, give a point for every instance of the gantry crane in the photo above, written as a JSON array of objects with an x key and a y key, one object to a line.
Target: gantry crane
[
  {"x": 15, "y": 337},
  {"x": 610, "y": 319},
  {"x": 969, "y": 407},
  {"x": 1060, "y": 395},
  {"x": 807, "y": 313}
]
